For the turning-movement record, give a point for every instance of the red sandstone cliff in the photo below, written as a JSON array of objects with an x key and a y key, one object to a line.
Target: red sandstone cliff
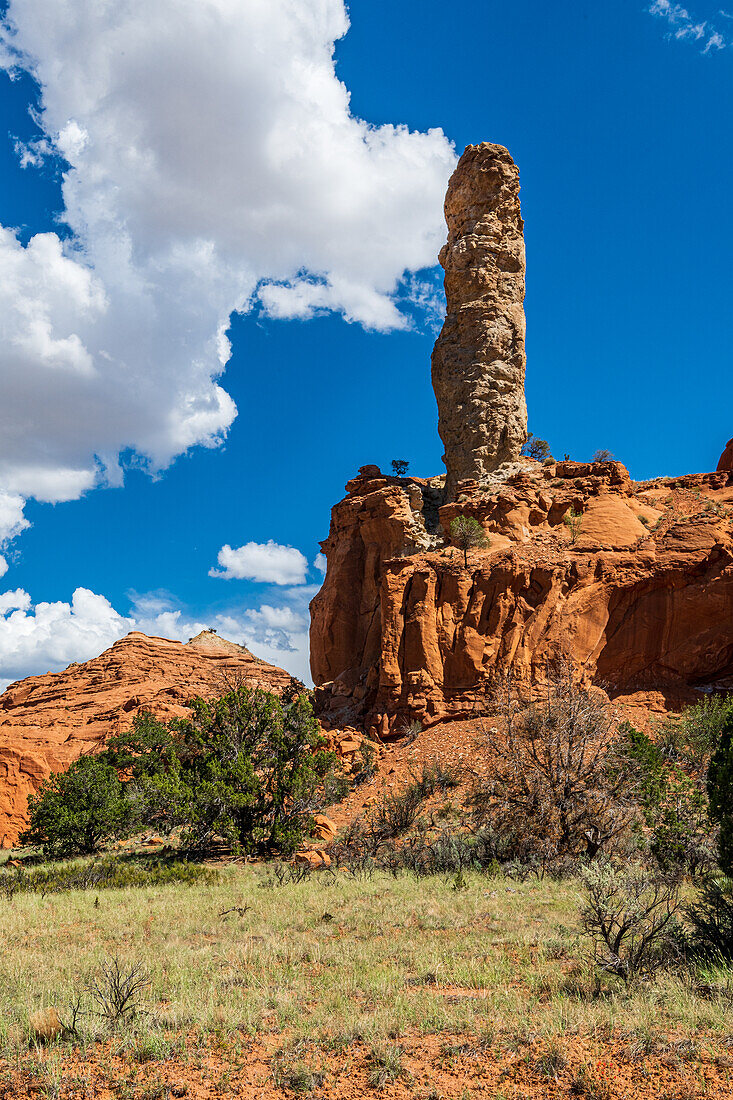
[
  {"x": 46, "y": 722},
  {"x": 642, "y": 600}
]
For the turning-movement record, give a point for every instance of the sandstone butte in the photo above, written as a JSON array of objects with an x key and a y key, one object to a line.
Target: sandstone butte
[
  {"x": 640, "y": 597},
  {"x": 47, "y": 722},
  {"x": 633, "y": 582}
]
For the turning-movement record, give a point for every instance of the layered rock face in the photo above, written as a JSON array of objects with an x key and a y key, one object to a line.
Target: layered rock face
[
  {"x": 47, "y": 722},
  {"x": 479, "y": 358},
  {"x": 638, "y": 591},
  {"x": 726, "y": 459},
  {"x": 631, "y": 582}
]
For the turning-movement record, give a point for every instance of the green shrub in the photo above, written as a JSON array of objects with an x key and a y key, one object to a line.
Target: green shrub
[
  {"x": 396, "y": 812},
  {"x": 247, "y": 768},
  {"x": 674, "y": 805},
  {"x": 77, "y": 811},
  {"x": 720, "y": 792},
  {"x": 701, "y": 727},
  {"x": 104, "y": 874},
  {"x": 711, "y": 922},
  {"x": 574, "y": 522},
  {"x": 630, "y": 917}
]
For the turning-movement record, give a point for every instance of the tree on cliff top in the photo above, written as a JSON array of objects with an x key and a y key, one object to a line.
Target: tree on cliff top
[
  {"x": 468, "y": 534},
  {"x": 536, "y": 448}
]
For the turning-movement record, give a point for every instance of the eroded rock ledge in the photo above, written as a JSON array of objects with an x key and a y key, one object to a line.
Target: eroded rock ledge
[{"x": 641, "y": 601}]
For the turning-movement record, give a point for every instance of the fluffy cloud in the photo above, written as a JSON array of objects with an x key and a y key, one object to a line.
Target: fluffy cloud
[
  {"x": 213, "y": 165},
  {"x": 684, "y": 26},
  {"x": 48, "y": 636},
  {"x": 53, "y": 634},
  {"x": 12, "y": 522},
  {"x": 320, "y": 562},
  {"x": 262, "y": 561}
]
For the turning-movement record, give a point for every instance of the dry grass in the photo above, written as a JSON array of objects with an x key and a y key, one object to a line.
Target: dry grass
[{"x": 397, "y": 956}]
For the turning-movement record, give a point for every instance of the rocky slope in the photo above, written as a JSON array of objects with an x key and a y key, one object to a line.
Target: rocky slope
[
  {"x": 639, "y": 594},
  {"x": 479, "y": 358},
  {"x": 46, "y": 722}
]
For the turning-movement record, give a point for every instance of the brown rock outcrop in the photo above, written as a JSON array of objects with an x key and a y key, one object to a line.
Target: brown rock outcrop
[
  {"x": 47, "y": 722},
  {"x": 479, "y": 358},
  {"x": 726, "y": 459},
  {"x": 640, "y": 595}
]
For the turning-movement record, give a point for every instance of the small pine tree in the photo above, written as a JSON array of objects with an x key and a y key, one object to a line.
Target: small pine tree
[
  {"x": 536, "y": 448},
  {"x": 400, "y": 466},
  {"x": 468, "y": 534}
]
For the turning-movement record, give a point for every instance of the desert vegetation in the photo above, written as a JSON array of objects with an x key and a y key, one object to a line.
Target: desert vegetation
[
  {"x": 536, "y": 448},
  {"x": 550, "y": 916},
  {"x": 246, "y": 769},
  {"x": 468, "y": 534}
]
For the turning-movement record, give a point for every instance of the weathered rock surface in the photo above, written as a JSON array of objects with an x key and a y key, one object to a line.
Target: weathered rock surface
[
  {"x": 479, "y": 358},
  {"x": 726, "y": 459},
  {"x": 642, "y": 600},
  {"x": 47, "y": 722}
]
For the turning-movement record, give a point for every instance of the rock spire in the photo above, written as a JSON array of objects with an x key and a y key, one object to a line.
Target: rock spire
[{"x": 479, "y": 358}]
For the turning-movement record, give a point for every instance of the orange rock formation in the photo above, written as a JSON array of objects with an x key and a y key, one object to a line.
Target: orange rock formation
[
  {"x": 47, "y": 722},
  {"x": 638, "y": 591},
  {"x": 726, "y": 459},
  {"x": 479, "y": 358}
]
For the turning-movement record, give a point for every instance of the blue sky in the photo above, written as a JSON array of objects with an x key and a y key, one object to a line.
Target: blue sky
[{"x": 158, "y": 173}]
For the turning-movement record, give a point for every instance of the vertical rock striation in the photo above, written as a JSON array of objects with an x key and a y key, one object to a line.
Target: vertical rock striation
[{"x": 479, "y": 358}]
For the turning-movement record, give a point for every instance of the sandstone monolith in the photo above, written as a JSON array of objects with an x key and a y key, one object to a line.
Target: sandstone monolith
[{"x": 479, "y": 358}]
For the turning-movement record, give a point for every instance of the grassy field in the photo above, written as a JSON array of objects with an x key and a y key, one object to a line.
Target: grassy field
[{"x": 277, "y": 988}]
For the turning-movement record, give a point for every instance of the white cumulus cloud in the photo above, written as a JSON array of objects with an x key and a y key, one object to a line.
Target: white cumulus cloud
[
  {"x": 50, "y": 635},
  {"x": 262, "y": 561},
  {"x": 41, "y": 637},
  {"x": 214, "y": 165},
  {"x": 320, "y": 562}
]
